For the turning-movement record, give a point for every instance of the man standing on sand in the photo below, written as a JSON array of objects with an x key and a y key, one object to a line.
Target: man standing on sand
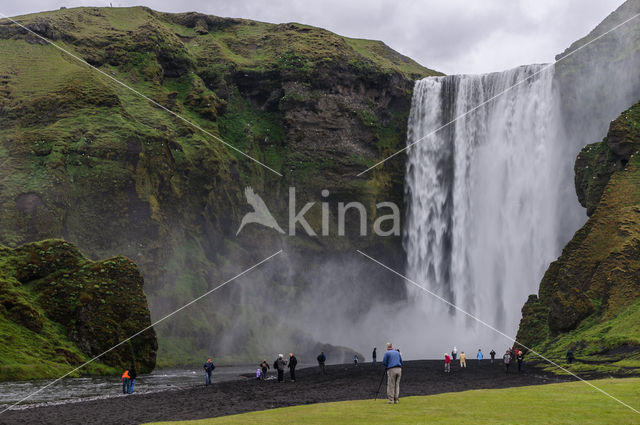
[
  {"x": 279, "y": 364},
  {"x": 507, "y": 360},
  {"x": 293, "y": 362},
  {"x": 321, "y": 359},
  {"x": 519, "y": 358},
  {"x": 392, "y": 360},
  {"x": 208, "y": 369},
  {"x": 132, "y": 378}
]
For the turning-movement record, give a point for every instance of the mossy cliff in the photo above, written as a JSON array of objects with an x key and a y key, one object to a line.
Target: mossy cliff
[
  {"x": 58, "y": 310},
  {"x": 589, "y": 299},
  {"x": 89, "y": 161}
]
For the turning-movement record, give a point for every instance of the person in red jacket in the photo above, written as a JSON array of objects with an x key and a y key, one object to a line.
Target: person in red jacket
[
  {"x": 447, "y": 363},
  {"x": 125, "y": 382}
]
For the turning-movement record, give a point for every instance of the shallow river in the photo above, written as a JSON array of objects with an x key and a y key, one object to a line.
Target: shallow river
[{"x": 79, "y": 389}]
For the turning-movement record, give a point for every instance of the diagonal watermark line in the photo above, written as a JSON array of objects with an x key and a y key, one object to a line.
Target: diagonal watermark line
[
  {"x": 143, "y": 330},
  {"x": 191, "y": 123},
  {"x": 475, "y": 108},
  {"x": 496, "y": 330}
]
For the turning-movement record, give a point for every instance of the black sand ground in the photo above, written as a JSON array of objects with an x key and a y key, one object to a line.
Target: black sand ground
[{"x": 341, "y": 382}]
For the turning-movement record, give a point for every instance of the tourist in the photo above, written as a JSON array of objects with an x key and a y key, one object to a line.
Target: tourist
[
  {"x": 374, "y": 356},
  {"x": 321, "y": 359},
  {"x": 479, "y": 356},
  {"x": 208, "y": 369},
  {"x": 454, "y": 354},
  {"x": 463, "y": 360},
  {"x": 519, "y": 358},
  {"x": 132, "y": 379},
  {"x": 293, "y": 362},
  {"x": 355, "y": 360},
  {"x": 279, "y": 365},
  {"x": 493, "y": 355},
  {"x": 258, "y": 374},
  {"x": 264, "y": 366},
  {"x": 570, "y": 356},
  {"x": 392, "y": 360},
  {"x": 125, "y": 382},
  {"x": 506, "y": 359},
  {"x": 447, "y": 362}
]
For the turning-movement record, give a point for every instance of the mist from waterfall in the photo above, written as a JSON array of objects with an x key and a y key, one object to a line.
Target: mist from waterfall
[{"x": 487, "y": 201}]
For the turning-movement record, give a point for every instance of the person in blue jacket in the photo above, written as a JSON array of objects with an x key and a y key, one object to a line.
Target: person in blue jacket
[
  {"x": 392, "y": 361},
  {"x": 208, "y": 369},
  {"x": 479, "y": 356}
]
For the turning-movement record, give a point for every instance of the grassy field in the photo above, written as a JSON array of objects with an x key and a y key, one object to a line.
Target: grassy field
[{"x": 570, "y": 403}]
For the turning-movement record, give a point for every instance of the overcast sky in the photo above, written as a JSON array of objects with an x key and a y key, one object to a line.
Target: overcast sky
[{"x": 452, "y": 36}]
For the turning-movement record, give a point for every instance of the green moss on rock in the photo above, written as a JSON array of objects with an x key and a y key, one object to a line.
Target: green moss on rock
[
  {"x": 588, "y": 295},
  {"x": 50, "y": 292}
]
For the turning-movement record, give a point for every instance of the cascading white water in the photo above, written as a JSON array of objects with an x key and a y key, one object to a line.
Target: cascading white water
[{"x": 485, "y": 196}]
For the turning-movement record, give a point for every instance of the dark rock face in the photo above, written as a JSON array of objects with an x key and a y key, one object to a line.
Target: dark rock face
[
  {"x": 596, "y": 280},
  {"x": 98, "y": 304}
]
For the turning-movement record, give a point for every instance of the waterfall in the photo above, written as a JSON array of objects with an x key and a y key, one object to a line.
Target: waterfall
[{"x": 487, "y": 200}]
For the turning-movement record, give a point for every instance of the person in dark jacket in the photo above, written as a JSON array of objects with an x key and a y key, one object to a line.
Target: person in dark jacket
[
  {"x": 519, "y": 358},
  {"x": 279, "y": 365},
  {"x": 374, "y": 356},
  {"x": 493, "y": 355},
  {"x": 132, "y": 378},
  {"x": 321, "y": 359},
  {"x": 264, "y": 366},
  {"x": 570, "y": 356},
  {"x": 293, "y": 362},
  {"x": 208, "y": 370},
  {"x": 506, "y": 359}
]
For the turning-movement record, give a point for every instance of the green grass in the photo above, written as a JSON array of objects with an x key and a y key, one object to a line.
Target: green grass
[{"x": 569, "y": 403}]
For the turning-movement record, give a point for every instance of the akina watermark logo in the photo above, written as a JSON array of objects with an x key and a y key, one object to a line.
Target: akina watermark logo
[{"x": 387, "y": 224}]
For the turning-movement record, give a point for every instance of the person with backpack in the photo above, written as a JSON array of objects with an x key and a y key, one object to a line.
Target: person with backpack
[
  {"x": 374, "y": 356},
  {"x": 447, "y": 363},
  {"x": 264, "y": 366},
  {"x": 132, "y": 379},
  {"x": 392, "y": 360},
  {"x": 293, "y": 362},
  {"x": 506, "y": 359},
  {"x": 493, "y": 355},
  {"x": 125, "y": 382},
  {"x": 463, "y": 360},
  {"x": 279, "y": 365},
  {"x": 321, "y": 359},
  {"x": 208, "y": 370}
]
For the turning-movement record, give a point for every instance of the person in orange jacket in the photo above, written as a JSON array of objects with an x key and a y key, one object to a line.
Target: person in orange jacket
[{"x": 125, "y": 381}]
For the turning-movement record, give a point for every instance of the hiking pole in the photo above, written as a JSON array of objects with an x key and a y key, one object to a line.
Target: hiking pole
[{"x": 380, "y": 385}]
